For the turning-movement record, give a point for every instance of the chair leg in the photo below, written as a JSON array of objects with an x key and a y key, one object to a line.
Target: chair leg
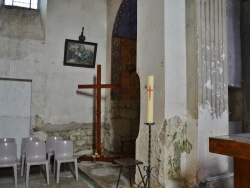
[
  {"x": 47, "y": 171},
  {"x": 54, "y": 167},
  {"x": 58, "y": 171},
  {"x": 76, "y": 170},
  {"x": 49, "y": 157},
  {"x": 15, "y": 174},
  {"x": 129, "y": 176},
  {"x": 27, "y": 174},
  {"x": 22, "y": 164},
  {"x": 119, "y": 177}
]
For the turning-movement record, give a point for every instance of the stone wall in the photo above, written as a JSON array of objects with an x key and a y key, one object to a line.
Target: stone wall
[
  {"x": 121, "y": 133},
  {"x": 80, "y": 134},
  {"x": 118, "y": 136}
]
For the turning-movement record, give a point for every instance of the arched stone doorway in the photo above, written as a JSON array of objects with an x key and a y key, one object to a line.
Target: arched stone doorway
[{"x": 125, "y": 101}]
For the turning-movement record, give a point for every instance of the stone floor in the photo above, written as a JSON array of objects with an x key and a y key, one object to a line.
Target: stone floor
[{"x": 91, "y": 175}]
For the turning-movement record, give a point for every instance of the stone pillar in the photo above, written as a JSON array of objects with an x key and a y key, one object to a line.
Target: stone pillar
[
  {"x": 212, "y": 55},
  {"x": 212, "y": 83},
  {"x": 191, "y": 98}
]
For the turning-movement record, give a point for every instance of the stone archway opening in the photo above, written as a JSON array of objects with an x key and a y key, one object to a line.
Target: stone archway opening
[{"x": 120, "y": 137}]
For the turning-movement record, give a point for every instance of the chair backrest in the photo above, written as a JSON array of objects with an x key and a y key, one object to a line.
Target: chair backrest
[
  {"x": 64, "y": 149},
  {"x": 36, "y": 150},
  {"x": 7, "y": 140},
  {"x": 51, "y": 143},
  {"x": 8, "y": 152},
  {"x": 25, "y": 141}
]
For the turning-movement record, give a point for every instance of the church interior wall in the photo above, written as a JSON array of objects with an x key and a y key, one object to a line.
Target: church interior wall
[
  {"x": 122, "y": 109},
  {"x": 185, "y": 113},
  {"x": 212, "y": 86},
  {"x": 42, "y": 6},
  {"x": 190, "y": 123},
  {"x": 192, "y": 91},
  {"x": 181, "y": 149},
  {"x": 55, "y": 100},
  {"x": 175, "y": 134}
]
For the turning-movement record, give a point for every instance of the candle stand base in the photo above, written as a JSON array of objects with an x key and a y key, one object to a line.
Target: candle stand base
[{"x": 148, "y": 169}]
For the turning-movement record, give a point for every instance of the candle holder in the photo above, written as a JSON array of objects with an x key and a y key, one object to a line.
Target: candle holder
[{"x": 148, "y": 168}]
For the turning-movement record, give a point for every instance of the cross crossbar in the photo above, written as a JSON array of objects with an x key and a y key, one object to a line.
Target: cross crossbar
[{"x": 98, "y": 86}]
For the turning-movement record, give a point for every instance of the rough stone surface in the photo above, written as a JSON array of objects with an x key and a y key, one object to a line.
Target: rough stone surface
[
  {"x": 80, "y": 134},
  {"x": 121, "y": 133},
  {"x": 173, "y": 139}
]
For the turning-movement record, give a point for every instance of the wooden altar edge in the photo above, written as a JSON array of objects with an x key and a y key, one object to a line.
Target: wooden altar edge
[{"x": 230, "y": 147}]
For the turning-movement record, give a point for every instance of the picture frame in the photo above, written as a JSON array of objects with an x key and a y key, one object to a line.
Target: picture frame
[{"x": 80, "y": 53}]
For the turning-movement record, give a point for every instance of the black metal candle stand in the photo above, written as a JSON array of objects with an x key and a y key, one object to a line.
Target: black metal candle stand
[{"x": 148, "y": 168}]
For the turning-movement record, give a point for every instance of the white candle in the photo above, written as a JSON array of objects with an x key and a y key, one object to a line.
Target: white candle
[{"x": 150, "y": 99}]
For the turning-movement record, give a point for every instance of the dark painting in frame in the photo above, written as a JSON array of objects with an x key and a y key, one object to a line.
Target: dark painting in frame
[{"x": 79, "y": 53}]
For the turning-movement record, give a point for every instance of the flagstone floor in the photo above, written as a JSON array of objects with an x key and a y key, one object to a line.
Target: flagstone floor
[{"x": 91, "y": 175}]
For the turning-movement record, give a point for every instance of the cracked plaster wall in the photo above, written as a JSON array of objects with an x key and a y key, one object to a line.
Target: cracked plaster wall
[
  {"x": 170, "y": 155},
  {"x": 174, "y": 145},
  {"x": 212, "y": 84},
  {"x": 208, "y": 62},
  {"x": 24, "y": 54},
  {"x": 192, "y": 99}
]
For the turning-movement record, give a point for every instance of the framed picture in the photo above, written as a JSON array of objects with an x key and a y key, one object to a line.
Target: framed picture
[{"x": 79, "y": 54}]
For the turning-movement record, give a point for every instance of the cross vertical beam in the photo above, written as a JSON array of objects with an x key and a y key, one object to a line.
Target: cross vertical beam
[{"x": 98, "y": 86}]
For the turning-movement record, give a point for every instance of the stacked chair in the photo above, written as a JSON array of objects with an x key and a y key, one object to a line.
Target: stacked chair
[
  {"x": 23, "y": 150},
  {"x": 64, "y": 154},
  {"x": 36, "y": 155},
  {"x": 36, "y": 152},
  {"x": 51, "y": 145},
  {"x": 7, "y": 140},
  {"x": 8, "y": 155}
]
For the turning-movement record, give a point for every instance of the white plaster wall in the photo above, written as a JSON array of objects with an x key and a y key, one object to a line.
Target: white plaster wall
[
  {"x": 204, "y": 119},
  {"x": 176, "y": 86},
  {"x": 211, "y": 164},
  {"x": 150, "y": 54},
  {"x": 43, "y": 12},
  {"x": 21, "y": 23},
  {"x": 150, "y": 61},
  {"x": 61, "y": 84},
  {"x": 212, "y": 85},
  {"x": 54, "y": 91},
  {"x": 15, "y": 105},
  {"x": 175, "y": 58},
  {"x": 192, "y": 92}
]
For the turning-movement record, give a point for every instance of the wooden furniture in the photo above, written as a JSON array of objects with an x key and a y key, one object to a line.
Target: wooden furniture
[
  {"x": 128, "y": 162},
  {"x": 237, "y": 146},
  {"x": 98, "y": 86}
]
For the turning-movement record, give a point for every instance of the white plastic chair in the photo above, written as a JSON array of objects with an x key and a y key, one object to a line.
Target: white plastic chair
[
  {"x": 50, "y": 146},
  {"x": 36, "y": 155},
  {"x": 8, "y": 157},
  {"x": 7, "y": 140},
  {"x": 64, "y": 154},
  {"x": 23, "y": 149}
]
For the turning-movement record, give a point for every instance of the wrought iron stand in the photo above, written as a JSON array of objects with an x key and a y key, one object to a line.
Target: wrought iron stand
[{"x": 148, "y": 168}]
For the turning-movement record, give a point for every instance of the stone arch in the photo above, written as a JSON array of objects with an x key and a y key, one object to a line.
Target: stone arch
[{"x": 125, "y": 101}]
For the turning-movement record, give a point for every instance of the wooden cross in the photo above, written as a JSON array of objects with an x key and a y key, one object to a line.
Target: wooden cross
[{"x": 98, "y": 86}]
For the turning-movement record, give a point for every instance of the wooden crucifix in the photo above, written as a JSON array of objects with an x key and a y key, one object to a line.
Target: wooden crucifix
[{"x": 98, "y": 86}]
